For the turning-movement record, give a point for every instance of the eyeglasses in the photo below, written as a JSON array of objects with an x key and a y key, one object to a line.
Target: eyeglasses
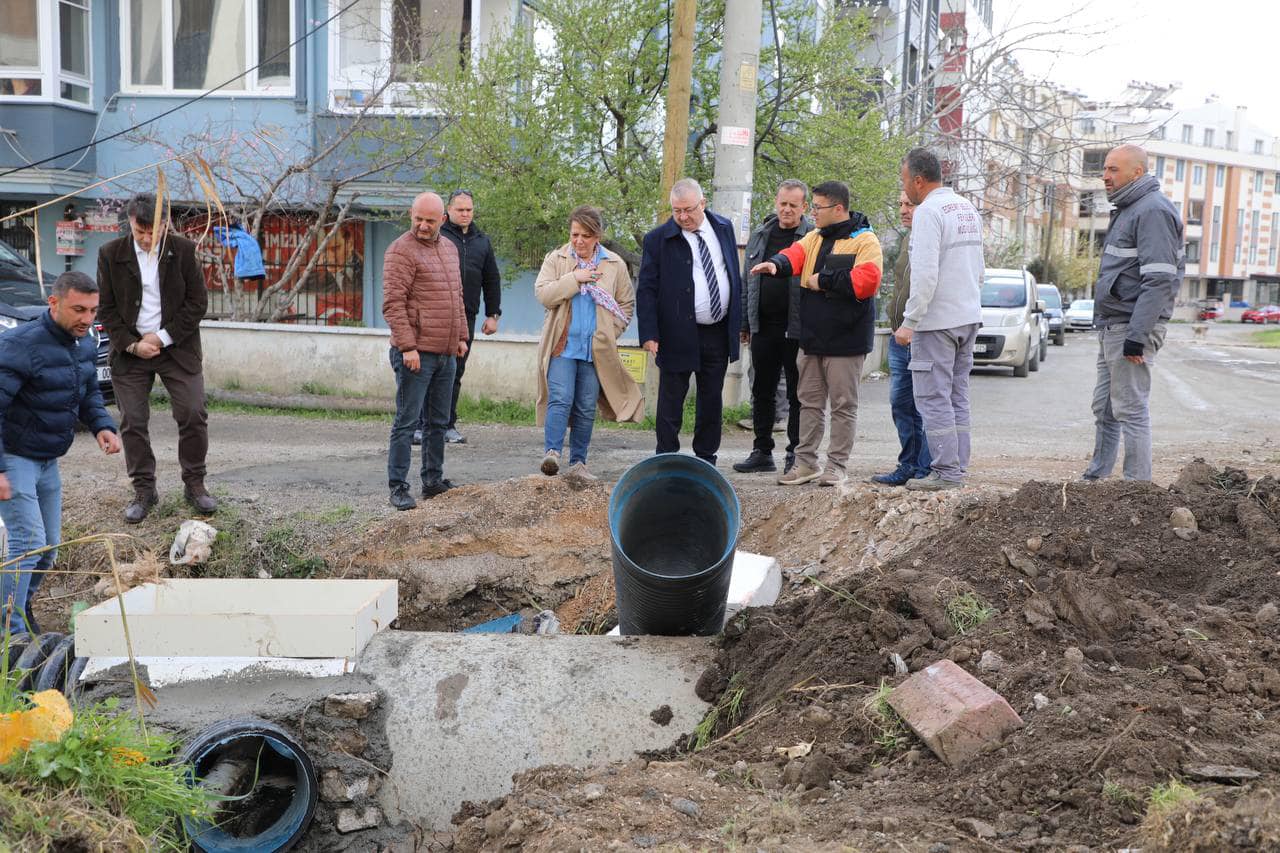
[
  {"x": 457, "y": 193},
  {"x": 813, "y": 205}
]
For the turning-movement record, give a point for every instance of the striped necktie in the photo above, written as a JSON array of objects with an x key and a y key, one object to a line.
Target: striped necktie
[{"x": 713, "y": 283}]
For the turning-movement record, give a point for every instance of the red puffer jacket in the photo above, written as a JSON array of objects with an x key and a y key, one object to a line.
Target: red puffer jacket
[{"x": 422, "y": 296}]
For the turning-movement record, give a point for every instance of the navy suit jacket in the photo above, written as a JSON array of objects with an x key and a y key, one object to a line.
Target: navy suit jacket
[{"x": 664, "y": 294}]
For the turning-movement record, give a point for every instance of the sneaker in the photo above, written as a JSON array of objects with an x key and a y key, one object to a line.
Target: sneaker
[
  {"x": 551, "y": 463},
  {"x": 790, "y": 463},
  {"x": 893, "y": 478},
  {"x": 401, "y": 499},
  {"x": 799, "y": 475},
  {"x": 780, "y": 426},
  {"x": 757, "y": 461},
  {"x": 746, "y": 423},
  {"x": 933, "y": 483},
  {"x": 452, "y": 436},
  {"x": 417, "y": 438},
  {"x": 830, "y": 477},
  {"x": 430, "y": 491},
  {"x": 578, "y": 471}
]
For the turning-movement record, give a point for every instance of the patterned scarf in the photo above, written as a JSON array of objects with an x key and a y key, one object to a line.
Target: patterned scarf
[{"x": 598, "y": 294}]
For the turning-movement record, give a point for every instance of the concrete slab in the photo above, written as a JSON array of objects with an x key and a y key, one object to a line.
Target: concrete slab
[{"x": 466, "y": 711}]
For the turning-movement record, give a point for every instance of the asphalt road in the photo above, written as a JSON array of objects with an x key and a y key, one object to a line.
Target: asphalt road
[{"x": 1216, "y": 399}]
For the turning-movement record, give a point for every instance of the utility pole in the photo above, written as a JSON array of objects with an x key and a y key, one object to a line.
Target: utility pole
[
  {"x": 679, "y": 82},
  {"x": 736, "y": 117}
]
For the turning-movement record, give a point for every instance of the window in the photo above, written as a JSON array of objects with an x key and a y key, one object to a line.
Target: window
[
  {"x": 1215, "y": 233},
  {"x": 1208, "y": 137},
  {"x": 193, "y": 45},
  {"x": 1195, "y": 212},
  {"x": 1219, "y": 175},
  {"x": 1254, "y": 235},
  {"x": 1257, "y": 182},
  {"x": 1277, "y": 189},
  {"x": 1159, "y": 168},
  {"x": 1193, "y": 251},
  {"x": 431, "y": 32},
  {"x": 1239, "y": 233},
  {"x": 1179, "y": 170},
  {"x": 1186, "y": 133},
  {"x": 1093, "y": 161},
  {"x": 1177, "y": 207},
  {"x": 44, "y": 50},
  {"x": 1197, "y": 174},
  {"x": 1257, "y": 146},
  {"x": 1231, "y": 140},
  {"x": 1275, "y": 240}
]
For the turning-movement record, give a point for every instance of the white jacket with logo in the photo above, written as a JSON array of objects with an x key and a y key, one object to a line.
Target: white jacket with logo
[{"x": 946, "y": 263}]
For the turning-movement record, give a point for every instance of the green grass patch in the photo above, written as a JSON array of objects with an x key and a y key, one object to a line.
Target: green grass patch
[
  {"x": 229, "y": 408},
  {"x": 1168, "y": 795},
  {"x": 730, "y": 417},
  {"x": 481, "y": 410},
  {"x": 318, "y": 389},
  {"x": 1268, "y": 338},
  {"x": 966, "y": 612},
  {"x": 1119, "y": 795},
  {"x": 883, "y": 725},
  {"x": 727, "y": 710}
]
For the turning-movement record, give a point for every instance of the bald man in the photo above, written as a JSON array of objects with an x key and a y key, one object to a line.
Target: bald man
[
  {"x": 1142, "y": 266},
  {"x": 422, "y": 304}
]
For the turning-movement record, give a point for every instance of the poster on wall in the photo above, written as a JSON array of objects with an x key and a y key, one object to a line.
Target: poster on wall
[
  {"x": 101, "y": 221},
  {"x": 70, "y": 237}
]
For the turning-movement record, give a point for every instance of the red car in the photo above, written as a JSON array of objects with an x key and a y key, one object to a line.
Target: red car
[
  {"x": 1209, "y": 311},
  {"x": 1262, "y": 314}
]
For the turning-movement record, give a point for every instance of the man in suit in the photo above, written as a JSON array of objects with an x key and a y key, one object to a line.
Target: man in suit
[
  {"x": 153, "y": 298},
  {"x": 689, "y": 305}
]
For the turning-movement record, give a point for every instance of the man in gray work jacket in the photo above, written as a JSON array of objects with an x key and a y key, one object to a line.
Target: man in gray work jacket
[{"x": 1142, "y": 266}]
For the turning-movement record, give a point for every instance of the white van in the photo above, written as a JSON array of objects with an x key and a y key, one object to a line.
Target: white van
[{"x": 1012, "y": 333}]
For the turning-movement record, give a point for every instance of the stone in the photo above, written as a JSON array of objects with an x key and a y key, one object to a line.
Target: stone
[
  {"x": 818, "y": 716},
  {"x": 335, "y": 788},
  {"x": 1189, "y": 672},
  {"x": 594, "y": 791},
  {"x": 1225, "y": 773},
  {"x": 686, "y": 807},
  {"x": 1183, "y": 517},
  {"x": 940, "y": 847},
  {"x": 990, "y": 662},
  {"x": 1267, "y": 613},
  {"x": 955, "y": 714},
  {"x": 351, "y": 820},
  {"x": 350, "y": 706},
  {"x": 792, "y": 772},
  {"x": 644, "y": 841},
  {"x": 817, "y": 772},
  {"x": 1020, "y": 561},
  {"x": 1034, "y": 544},
  {"x": 1235, "y": 682},
  {"x": 976, "y": 828},
  {"x": 1041, "y": 701},
  {"x": 495, "y": 823},
  {"x": 351, "y": 741},
  {"x": 1073, "y": 655}
]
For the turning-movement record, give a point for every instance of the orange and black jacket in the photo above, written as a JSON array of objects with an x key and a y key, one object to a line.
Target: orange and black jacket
[{"x": 839, "y": 318}]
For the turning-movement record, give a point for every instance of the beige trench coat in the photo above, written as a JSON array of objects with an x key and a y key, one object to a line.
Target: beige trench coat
[{"x": 620, "y": 397}]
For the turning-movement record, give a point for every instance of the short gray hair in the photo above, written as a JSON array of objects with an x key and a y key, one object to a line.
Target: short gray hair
[
  {"x": 921, "y": 162},
  {"x": 686, "y": 187},
  {"x": 74, "y": 280},
  {"x": 793, "y": 184}
]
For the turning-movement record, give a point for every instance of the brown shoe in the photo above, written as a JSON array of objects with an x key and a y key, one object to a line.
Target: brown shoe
[
  {"x": 139, "y": 507},
  {"x": 799, "y": 475},
  {"x": 200, "y": 500},
  {"x": 830, "y": 477}
]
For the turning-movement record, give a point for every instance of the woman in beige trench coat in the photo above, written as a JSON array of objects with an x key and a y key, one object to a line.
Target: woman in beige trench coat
[{"x": 590, "y": 302}]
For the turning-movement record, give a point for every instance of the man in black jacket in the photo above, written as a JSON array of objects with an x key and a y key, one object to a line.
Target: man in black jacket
[
  {"x": 479, "y": 274},
  {"x": 48, "y": 382},
  {"x": 765, "y": 310}
]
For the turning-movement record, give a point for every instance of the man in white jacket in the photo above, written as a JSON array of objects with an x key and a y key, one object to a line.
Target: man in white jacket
[{"x": 942, "y": 316}]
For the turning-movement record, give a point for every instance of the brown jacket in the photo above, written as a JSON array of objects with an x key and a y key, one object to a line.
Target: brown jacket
[
  {"x": 620, "y": 398},
  {"x": 422, "y": 295},
  {"x": 183, "y": 299}
]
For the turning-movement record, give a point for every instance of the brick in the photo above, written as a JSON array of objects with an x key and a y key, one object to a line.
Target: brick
[
  {"x": 955, "y": 714},
  {"x": 351, "y": 706},
  {"x": 336, "y": 788},
  {"x": 350, "y": 820}
]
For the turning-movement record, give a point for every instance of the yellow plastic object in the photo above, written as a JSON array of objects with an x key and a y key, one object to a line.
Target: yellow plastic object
[{"x": 48, "y": 721}]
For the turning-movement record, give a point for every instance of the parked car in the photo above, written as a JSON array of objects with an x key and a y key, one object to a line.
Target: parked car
[
  {"x": 22, "y": 300},
  {"x": 1079, "y": 315},
  {"x": 1262, "y": 314},
  {"x": 1013, "y": 332},
  {"x": 1053, "y": 312},
  {"x": 1208, "y": 309}
]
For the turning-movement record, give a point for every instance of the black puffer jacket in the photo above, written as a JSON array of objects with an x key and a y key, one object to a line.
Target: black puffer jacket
[
  {"x": 479, "y": 269},
  {"x": 47, "y": 382}
]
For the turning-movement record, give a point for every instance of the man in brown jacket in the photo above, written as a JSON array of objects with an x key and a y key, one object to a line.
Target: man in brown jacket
[
  {"x": 153, "y": 298},
  {"x": 422, "y": 304}
]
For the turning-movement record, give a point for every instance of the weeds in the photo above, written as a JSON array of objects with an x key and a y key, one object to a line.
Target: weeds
[
  {"x": 883, "y": 724},
  {"x": 318, "y": 389},
  {"x": 486, "y": 411},
  {"x": 729, "y": 708},
  {"x": 1168, "y": 795},
  {"x": 966, "y": 612},
  {"x": 1119, "y": 795}
]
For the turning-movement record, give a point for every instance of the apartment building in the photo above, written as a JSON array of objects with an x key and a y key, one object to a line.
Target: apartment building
[{"x": 903, "y": 55}]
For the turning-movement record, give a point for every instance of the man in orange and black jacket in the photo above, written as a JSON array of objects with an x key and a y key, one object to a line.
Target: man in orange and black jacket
[{"x": 832, "y": 314}]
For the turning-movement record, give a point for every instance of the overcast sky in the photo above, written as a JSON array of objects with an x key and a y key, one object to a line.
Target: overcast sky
[{"x": 1224, "y": 47}]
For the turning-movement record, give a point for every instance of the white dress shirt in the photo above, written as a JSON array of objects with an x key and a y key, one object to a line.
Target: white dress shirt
[
  {"x": 701, "y": 294},
  {"x": 149, "y": 313}
]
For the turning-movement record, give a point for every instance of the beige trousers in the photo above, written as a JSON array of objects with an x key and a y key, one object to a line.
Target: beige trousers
[{"x": 826, "y": 378}]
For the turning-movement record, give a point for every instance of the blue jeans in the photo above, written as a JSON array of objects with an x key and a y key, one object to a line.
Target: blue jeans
[
  {"x": 433, "y": 383},
  {"x": 914, "y": 460},
  {"x": 33, "y": 517},
  {"x": 572, "y": 389}
]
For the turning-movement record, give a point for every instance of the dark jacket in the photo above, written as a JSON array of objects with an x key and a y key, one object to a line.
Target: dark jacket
[
  {"x": 901, "y": 283},
  {"x": 479, "y": 269},
  {"x": 183, "y": 300},
  {"x": 664, "y": 294},
  {"x": 1142, "y": 260},
  {"x": 838, "y": 319},
  {"x": 47, "y": 382},
  {"x": 756, "y": 247}
]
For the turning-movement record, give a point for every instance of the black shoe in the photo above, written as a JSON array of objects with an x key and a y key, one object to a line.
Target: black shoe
[
  {"x": 439, "y": 488},
  {"x": 759, "y": 460},
  {"x": 417, "y": 437},
  {"x": 32, "y": 627},
  {"x": 139, "y": 507},
  {"x": 401, "y": 499},
  {"x": 200, "y": 500},
  {"x": 791, "y": 462},
  {"x": 893, "y": 478}
]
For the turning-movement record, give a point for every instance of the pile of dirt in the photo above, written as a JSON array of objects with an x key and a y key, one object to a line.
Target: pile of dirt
[{"x": 1139, "y": 642}]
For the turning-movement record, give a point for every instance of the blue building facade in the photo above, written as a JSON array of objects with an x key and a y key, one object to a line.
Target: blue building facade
[{"x": 75, "y": 70}]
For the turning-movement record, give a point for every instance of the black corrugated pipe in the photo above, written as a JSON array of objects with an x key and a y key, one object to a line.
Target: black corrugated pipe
[
  {"x": 269, "y": 781},
  {"x": 673, "y": 522}
]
